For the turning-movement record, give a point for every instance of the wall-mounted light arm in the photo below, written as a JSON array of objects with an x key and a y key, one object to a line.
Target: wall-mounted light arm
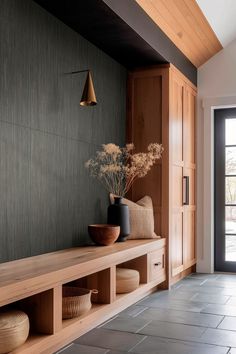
[
  {"x": 79, "y": 71},
  {"x": 88, "y": 96}
]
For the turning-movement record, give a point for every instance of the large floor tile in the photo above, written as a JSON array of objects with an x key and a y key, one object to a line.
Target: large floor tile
[
  {"x": 197, "y": 296},
  {"x": 197, "y": 316},
  {"x": 128, "y": 325},
  {"x": 172, "y": 330},
  {"x": 227, "y": 277},
  {"x": 82, "y": 349},
  {"x": 224, "y": 310},
  {"x": 103, "y": 338},
  {"x": 177, "y": 294},
  {"x": 184, "y": 317},
  {"x": 193, "y": 281},
  {"x": 218, "y": 337},
  {"x": 132, "y": 311},
  {"x": 204, "y": 276},
  {"x": 207, "y": 289},
  {"x": 221, "y": 283},
  {"x": 174, "y": 304},
  {"x": 228, "y": 323},
  {"x": 155, "y": 345},
  {"x": 115, "y": 352},
  {"x": 210, "y": 298},
  {"x": 232, "y": 300}
]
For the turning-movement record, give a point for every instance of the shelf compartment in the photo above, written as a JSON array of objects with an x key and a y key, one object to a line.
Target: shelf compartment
[
  {"x": 140, "y": 264},
  {"x": 44, "y": 311},
  {"x": 103, "y": 281},
  {"x": 96, "y": 269},
  {"x": 80, "y": 319}
]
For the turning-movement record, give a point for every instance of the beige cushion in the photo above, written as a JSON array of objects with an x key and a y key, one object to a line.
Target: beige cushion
[{"x": 141, "y": 218}]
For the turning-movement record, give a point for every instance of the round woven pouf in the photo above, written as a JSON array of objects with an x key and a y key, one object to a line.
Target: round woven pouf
[
  {"x": 14, "y": 330},
  {"x": 127, "y": 280}
]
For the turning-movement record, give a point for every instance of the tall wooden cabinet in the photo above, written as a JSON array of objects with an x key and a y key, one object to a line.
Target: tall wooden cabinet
[
  {"x": 161, "y": 108},
  {"x": 182, "y": 169}
]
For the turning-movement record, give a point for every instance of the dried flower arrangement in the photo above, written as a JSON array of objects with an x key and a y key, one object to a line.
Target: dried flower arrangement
[{"x": 117, "y": 168}]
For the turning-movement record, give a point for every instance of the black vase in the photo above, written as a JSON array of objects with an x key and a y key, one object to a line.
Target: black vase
[{"x": 118, "y": 214}]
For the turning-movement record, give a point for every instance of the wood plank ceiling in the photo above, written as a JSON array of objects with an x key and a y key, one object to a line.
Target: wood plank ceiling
[{"x": 184, "y": 23}]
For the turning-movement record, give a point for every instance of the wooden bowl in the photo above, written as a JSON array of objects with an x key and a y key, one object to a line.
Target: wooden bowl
[{"x": 104, "y": 234}]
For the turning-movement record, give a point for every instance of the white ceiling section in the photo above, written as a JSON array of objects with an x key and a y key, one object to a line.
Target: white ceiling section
[{"x": 221, "y": 15}]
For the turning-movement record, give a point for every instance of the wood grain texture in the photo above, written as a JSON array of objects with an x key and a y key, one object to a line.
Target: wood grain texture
[
  {"x": 47, "y": 199},
  {"x": 176, "y": 173},
  {"x": 167, "y": 112},
  {"x": 145, "y": 122},
  {"x": 96, "y": 266},
  {"x": 184, "y": 23},
  {"x": 189, "y": 153},
  {"x": 134, "y": 40},
  {"x": 26, "y": 277},
  {"x": 140, "y": 264},
  {"x": 182, "y": 274},
  {"x": 156, "y": 264},
  {"x": 104, "y": 282},
  {"x": 182, "y": 163},
  {"x": 44, "y": 310}
]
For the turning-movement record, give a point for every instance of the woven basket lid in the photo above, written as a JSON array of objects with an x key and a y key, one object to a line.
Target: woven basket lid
[
  {"x": 124, "y": 273},
  {"x": 11, "y": 319}
]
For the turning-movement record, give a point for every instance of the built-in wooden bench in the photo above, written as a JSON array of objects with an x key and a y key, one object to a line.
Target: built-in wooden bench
[{"x": 35, "y": 285}]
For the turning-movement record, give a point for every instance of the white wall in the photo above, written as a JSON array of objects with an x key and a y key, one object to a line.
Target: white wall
[{"x": 216, "y": 88}]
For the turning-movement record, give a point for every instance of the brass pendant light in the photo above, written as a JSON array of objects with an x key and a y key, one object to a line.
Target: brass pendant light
[{"x": 88, "y": 96}]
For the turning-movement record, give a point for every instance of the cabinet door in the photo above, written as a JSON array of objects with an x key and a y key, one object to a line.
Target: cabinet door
[
  {"x": 176, "y": 175},
  {"x": 190, "y": 172}
]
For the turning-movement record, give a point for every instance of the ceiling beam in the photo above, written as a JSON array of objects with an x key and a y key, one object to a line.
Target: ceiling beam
[
  {"x": 123, "y": 30},
  {"x": 132, "y": 14},
  {"x": 186, "y": 26}
]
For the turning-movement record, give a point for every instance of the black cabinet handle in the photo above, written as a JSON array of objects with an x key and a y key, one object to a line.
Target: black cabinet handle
[
  {"x": 185, "y": 190},
  {"x": 157, "y": 264}
]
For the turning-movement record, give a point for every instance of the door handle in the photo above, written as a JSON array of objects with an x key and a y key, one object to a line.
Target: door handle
[{"x": 185, "y": 190}]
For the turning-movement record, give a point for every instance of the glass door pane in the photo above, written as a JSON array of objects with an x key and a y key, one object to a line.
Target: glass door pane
[
  {"x": 230, "y": 131},
  {"x": 230, "y": 190},
  {"x": 230, "y": 220},
  {"x": 230, "y": 160},
  {"x": 230, "y": 248}
]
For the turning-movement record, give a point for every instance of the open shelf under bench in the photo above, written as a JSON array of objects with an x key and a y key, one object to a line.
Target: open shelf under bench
[{"x": 35, "y": 285}]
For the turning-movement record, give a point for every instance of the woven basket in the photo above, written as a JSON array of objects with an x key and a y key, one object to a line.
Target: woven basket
[
  {"x": 127, "y": 280},
  {"x": 14, "y": 330},
  {"x": 76, "y": 301}
]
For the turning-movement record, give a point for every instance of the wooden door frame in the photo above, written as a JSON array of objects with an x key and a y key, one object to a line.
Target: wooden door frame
[
  {"x": 205, "y": 179},
  {"x": 219, "y": 190}
]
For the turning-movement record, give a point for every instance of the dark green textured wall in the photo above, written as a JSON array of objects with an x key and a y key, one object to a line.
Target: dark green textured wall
[{"x": 46, "y": 197}]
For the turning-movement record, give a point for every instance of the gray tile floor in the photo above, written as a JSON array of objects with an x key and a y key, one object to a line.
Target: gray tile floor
[{"x": 197, "y": 316}]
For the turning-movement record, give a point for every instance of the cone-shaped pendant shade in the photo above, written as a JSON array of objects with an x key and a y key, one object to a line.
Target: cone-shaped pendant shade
[{"x": 88, "y": 97}]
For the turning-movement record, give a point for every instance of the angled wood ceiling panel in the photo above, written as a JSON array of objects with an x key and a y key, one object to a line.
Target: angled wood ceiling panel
[{"x": 184, "y": 23}]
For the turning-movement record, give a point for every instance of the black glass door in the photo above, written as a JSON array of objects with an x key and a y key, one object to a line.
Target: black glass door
[{"x": 225, "y": 189}]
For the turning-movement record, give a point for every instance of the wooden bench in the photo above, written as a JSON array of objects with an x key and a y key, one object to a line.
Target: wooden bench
[{"x": 35, "y": 285}]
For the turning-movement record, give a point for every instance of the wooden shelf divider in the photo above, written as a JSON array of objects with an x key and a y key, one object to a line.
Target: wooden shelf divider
[{"x": 35, "y": 286}]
